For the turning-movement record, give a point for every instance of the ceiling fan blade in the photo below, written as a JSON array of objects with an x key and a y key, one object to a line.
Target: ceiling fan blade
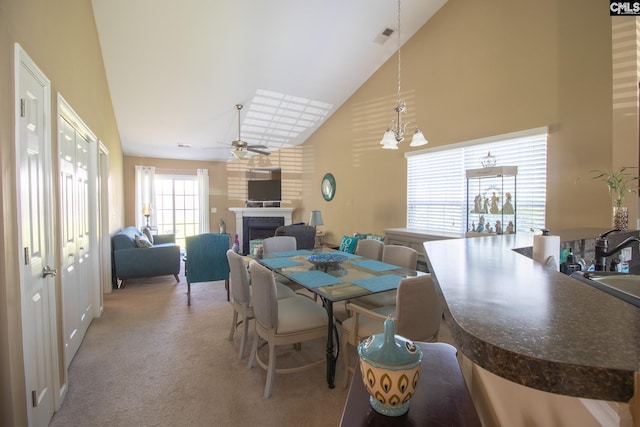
[
  {"x": 252, "y": 148},
  {"x": 256, "y": 146}
]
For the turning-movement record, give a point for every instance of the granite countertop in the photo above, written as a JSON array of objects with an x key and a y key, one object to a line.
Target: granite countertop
[{"x": 533, "y": 325}]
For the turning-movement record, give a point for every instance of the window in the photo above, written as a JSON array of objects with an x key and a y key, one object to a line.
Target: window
[
  {"x": 177, "y": 206},
  {"x": 436, "y": 180}
]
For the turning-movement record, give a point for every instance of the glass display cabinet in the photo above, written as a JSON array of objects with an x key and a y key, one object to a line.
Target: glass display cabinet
[{"x": 491, "y": 201}]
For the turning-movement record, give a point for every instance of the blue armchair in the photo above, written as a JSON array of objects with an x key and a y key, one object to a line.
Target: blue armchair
[{"x": 206, "y": 260}]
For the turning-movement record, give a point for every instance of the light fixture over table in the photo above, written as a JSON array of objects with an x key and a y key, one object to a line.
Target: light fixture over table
[{"x": 396, "y": 130}]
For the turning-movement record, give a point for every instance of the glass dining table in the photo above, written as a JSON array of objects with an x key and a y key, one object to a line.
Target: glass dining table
[{"x": 335, "y": 276}]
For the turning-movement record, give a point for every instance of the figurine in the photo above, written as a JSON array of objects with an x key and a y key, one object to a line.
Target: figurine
[
  {"x": 485, "y": 208},
  {"x": 494, "y": 203},
  {"x": 498, "y": 227},
  {"x": 473, "y": 226},
  {"x": 480, "y": 227},
  {"x": 489, "y": 229},
  {"x": 507, "y": 208},
  {"x": 510, "y": 227},
  {"x": 223, "y": 226},
  {"x": 477, "y": 204}
]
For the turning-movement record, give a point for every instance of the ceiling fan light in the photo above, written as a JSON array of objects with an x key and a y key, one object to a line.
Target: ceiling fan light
[
  {"x": 418, "y": 139},
  {"x": 239, "y": 154}
]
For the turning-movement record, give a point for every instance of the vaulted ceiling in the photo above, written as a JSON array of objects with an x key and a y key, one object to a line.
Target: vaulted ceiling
[{"x": 176, "y": 69}]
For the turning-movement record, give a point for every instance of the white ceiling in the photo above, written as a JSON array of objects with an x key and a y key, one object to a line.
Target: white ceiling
[{"x": 176, "y": 69}]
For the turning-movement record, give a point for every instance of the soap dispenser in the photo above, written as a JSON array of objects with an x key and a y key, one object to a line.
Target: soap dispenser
[{"x": 570, "y": 266}]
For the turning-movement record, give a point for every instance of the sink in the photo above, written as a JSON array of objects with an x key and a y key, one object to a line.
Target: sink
[{"x": 621, "y": 285}]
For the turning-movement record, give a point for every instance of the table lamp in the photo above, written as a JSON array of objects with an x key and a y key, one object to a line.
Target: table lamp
[
  {"x": 315, "y": 219},
  {"x": 146, "y": 211}
]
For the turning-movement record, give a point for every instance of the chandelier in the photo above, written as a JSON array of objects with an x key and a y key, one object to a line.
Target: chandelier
[{"x": 396, "y": 130}]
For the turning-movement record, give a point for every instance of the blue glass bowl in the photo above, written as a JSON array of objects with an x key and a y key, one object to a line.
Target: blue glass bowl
[{"x": 326, "y": 260}]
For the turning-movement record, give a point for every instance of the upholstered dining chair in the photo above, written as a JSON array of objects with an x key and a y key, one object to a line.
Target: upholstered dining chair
[
  {"x": 240, "y": 285},
  {"x": 206, "y": 260},
  {"x": 282, "y": 322},
  {"x": 370, "y": 248},
  {"x": 417, "y": 313},
  {"x": 402, "y": 256},
  {"x": 305, "y": 235},
  {"x": 278, "y": 244}
]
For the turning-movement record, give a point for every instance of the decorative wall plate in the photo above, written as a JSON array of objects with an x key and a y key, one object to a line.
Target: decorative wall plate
[{"x": 328, "y": 187}]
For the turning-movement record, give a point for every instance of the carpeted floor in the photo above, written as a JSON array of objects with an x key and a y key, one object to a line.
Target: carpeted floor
[{"x": 151, "y": 360}]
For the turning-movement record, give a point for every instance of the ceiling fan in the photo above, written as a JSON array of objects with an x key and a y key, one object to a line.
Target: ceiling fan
[{"x": 240, "y": 147}]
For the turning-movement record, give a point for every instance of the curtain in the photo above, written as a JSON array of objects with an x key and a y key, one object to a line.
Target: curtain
[
  {"x": 203, "y": 192},
  {"x": 145, "y": 198}
]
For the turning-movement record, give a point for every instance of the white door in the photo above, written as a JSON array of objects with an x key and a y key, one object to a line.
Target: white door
[
  {"x": 78, "y": 280},
  {"x": 35, "y": 238}
]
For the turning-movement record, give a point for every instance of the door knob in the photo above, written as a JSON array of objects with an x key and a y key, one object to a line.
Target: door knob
[{"x": 48, "y": 271}]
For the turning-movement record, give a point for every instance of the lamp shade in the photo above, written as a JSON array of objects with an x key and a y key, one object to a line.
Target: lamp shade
[
  {"x": 239, "y": 154},
  {"x": 389, "y": 140},
  {"x": 146, "y": 209},
  {"x": 315, "y": 218},
  {"x": 418, "y": 139}
]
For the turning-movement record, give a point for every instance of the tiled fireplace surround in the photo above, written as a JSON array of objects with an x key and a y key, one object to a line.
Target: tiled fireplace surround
[{"x": 258, "y": 223}]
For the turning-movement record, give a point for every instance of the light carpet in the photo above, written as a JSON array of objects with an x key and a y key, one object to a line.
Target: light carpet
[{"x": 150, "y": 360}]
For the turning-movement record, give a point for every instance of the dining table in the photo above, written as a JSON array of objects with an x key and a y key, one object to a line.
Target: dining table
[{"x": 335, "y": 276}]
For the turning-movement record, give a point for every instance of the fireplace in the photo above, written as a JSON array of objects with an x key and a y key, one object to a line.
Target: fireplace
[
  {"x": 262, "y": 227},
  {"x": 259, "y": 227}
]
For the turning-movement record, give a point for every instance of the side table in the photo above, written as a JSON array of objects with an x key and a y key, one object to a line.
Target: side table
[{"x": 441, "y": 398}]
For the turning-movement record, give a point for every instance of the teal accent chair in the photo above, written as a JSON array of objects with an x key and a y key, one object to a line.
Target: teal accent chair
[{"x": 206, "y": 260}]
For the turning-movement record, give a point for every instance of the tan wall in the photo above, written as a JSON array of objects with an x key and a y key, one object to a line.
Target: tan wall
[
  {"x": 479, "y": 69},
  {"x": 227, "y": 183},
  {"x": 61, "y": 39}
]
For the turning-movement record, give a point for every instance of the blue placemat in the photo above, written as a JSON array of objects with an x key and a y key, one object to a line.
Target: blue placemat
[
  {"x": 315, "y": 278},
  {"x": 373, "y": 265},
  {"x": 279, "y": 262},
  {"x": 379, "y": 283},
  {"x": 347, "y": 254},
  {"x": 293, "y": 253}
]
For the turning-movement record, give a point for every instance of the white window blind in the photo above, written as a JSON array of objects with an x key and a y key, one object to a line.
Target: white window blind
[{"x": 436, "y": 182}]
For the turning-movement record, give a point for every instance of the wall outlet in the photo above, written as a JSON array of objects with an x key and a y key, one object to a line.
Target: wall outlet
[
  {"x": 214, "y": 210},
  {"x": 625, "y": 254}
]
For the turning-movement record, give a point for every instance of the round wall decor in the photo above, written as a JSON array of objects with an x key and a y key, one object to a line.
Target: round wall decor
[{"x": 328, "y": 186}]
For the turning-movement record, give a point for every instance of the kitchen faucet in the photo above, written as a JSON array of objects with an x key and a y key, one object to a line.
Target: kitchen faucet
[{"x": 602, "y": 248}]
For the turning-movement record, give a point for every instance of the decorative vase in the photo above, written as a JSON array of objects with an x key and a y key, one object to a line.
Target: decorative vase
[
  {"x": 621, "y": 218},
  {"x": 390, "y": 366}
]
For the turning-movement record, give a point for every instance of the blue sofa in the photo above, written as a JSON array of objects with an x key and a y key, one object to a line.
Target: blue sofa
[{"x": 130, "y": 261}]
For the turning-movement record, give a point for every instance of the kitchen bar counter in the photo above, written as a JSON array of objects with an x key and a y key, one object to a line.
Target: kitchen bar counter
[{"x": 532, "y": 325}]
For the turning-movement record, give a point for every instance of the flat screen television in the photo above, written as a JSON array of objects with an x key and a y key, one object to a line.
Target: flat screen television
[{"x": 265, "y": 190}]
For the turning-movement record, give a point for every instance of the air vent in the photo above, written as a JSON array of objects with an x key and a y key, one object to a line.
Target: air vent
[
  {"x": 383, "y": 36},
  {"x": 181, "y": 145}
]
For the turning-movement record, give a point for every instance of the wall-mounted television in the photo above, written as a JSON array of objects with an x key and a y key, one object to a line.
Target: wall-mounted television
[{"x": 264, "y": 190}]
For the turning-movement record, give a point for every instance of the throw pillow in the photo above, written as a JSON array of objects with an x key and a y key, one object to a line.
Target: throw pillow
[
  {"x": 375, "y": 237},
  {"x": 348, "y": 244},
  {"x": 147, "y": 232},
  {"x": 143, "y": 242}
]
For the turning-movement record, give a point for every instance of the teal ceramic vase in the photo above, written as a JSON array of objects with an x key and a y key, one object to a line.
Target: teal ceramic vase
[{"x": 390, "y": 366}]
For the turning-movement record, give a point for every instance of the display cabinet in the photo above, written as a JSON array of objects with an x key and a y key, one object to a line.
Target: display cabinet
[{"x": 491, "y": 201}]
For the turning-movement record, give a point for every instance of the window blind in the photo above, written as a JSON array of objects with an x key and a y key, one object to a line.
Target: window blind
[{"x": 436, "y": 181}]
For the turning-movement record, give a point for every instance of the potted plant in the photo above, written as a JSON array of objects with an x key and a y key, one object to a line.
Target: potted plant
[{"x": 619, "y": 182}]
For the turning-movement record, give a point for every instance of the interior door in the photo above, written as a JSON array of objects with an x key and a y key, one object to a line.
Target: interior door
[
  {"x": 77, "y": 274},
  {"x": 35, "y": 239}
]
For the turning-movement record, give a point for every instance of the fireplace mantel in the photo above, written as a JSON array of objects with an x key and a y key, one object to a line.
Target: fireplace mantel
[{"x": 258, "y": 212}]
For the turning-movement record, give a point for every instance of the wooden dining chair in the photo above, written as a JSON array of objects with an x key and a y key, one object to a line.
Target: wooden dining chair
[
  {"x": 417, "y": 313},
  {"x": 282, "y": 322}
]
